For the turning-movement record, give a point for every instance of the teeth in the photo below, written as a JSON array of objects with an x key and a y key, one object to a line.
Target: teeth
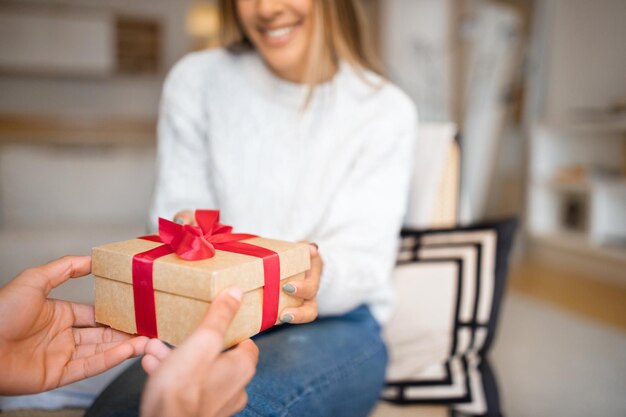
[{"x": 277, "y": 33}]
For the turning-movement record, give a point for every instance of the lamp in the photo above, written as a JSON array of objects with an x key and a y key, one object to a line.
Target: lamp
[{"x": 203, "y": 24}]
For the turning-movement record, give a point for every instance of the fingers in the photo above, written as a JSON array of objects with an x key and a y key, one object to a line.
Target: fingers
[
  {"x": 156, "y": 352},
  {"x": 158, "y": 349},
  {"x": 150, "y": 364},
  {"x": 304, "y": 288},
  {"x": 207, "y": 341},
  {"x": 86, "y": 366},
  {"x": 54, "y": 273},
  {"x": 97, "y": 335},
  {"x": 223, "y": 310},
  {"x": 313, "y": 247},
  {"x": 185, "y": 217},
  {"x": 84, "y": 315},
  {"x": 85, "y": 350},
  {"x": 307, "y": 289},
  {"x": 316, "y": 267},
  {"x": 306, "y": 313},
  {"x": 316, "y": 263}
]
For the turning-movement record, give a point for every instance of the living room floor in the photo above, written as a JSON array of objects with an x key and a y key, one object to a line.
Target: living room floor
[{"x": 561, "y": 347}]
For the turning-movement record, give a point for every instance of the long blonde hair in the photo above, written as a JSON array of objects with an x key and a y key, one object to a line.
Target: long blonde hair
[{"x": 339, "y": 34}]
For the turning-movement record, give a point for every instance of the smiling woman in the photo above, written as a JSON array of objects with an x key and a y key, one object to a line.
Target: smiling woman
[
  {"x": 281, "y": 34},
  {"x": 300, "y": 40},
  {"x": 234, "y": 135}
]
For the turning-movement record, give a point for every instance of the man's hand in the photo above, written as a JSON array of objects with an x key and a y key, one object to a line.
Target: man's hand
[
  {"x": 47, "y": 343},
  {"x": 197, "y": 378}
]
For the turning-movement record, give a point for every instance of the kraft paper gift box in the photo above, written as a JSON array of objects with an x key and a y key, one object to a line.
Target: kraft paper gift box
[{"x": 146, "y": 286}]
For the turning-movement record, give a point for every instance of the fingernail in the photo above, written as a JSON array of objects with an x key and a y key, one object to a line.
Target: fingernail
[
  {"x": 235, "y": 292},
  {"x": 289, "y": 289},
  {"x": 315, "y": 244},
  {"x": 286, "y": 318}
]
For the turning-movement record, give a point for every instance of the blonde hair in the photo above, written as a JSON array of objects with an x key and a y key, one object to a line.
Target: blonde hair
[{"x": 339, "y": 34}]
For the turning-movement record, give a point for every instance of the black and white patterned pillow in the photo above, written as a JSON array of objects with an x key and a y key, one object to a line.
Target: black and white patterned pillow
[{"x": 449, "y": 287}]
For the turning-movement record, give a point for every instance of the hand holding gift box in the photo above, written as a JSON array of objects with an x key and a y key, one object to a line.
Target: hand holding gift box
[{"x": 161, "y": 286}]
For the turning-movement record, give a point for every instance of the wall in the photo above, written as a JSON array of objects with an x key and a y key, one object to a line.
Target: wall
[
  {"x": 586, "y": 55},
  {"x": 59, "y": 198},
  {"x": 114, "y": 96},
  {"x": 416, "y": 52}
]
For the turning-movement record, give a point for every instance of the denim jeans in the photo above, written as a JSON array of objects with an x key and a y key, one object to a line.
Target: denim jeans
[{"x": 333, "y": 367}]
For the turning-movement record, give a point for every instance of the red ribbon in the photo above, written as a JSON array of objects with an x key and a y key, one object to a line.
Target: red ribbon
[{"x": 193, "y": 243}]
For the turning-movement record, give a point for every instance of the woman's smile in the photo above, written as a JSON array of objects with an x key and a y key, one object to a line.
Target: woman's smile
[
  {"x": 281, "y": 32},
  {"x": 277, "y": 36}
]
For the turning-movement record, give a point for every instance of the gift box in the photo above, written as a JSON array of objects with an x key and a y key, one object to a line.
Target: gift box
[{"x": 162, "y": 285}]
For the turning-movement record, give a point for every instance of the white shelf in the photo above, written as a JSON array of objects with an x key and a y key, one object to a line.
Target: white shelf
[
  {"x": 578, "y": 188},
  {"x": 586, "y": 187},
  {"x": 600, "y": 129},
  {"x": 598, "y": 202}
]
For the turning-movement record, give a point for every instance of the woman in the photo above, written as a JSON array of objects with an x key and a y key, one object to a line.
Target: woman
[{"x": 292, "y": 134}]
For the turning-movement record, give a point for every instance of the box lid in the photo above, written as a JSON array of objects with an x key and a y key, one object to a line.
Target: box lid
[{"x": 199, "y": 279}]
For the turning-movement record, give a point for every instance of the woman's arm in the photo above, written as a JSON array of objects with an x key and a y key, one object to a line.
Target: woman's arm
[
  {"x": 182, "y": 178},
  {"x": 358, "y": 240}
]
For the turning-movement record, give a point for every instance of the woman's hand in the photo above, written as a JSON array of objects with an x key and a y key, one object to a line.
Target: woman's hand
[
  {"x": 197, "y": 378},
  {"x": 46, "y": 343},
  {"x": 305, "y": 289},
  {"x": 186, "y": 217}
]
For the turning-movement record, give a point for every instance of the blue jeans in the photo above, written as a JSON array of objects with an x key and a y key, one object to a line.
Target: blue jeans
[{"x": 333, "y": 367}]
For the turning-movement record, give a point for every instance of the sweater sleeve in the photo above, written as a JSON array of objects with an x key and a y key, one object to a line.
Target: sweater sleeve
[
  {"x": 182, "y": 174},
  {"x": 359, "y": 237}
]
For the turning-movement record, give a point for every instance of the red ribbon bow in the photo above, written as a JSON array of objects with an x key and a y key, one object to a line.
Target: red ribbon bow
[{"x": 194, "y": 243}]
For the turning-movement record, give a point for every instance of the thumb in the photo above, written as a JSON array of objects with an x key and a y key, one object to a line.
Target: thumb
[
  {"x": 55, "y": 273},
  {"x": 207, "y": 340},
  {"x": 223, "y": 310}
]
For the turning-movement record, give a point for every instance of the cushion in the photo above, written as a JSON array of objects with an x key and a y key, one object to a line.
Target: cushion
[
  {"x": 435, "y": 179},
  {"x": 449, "y": 286}
]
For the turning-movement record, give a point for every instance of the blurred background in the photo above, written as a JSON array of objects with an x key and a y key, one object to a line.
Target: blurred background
[{"x": 535, "y": 88}]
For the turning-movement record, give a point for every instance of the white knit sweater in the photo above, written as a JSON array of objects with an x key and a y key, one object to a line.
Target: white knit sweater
[{"x": 235, "y": 137}]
